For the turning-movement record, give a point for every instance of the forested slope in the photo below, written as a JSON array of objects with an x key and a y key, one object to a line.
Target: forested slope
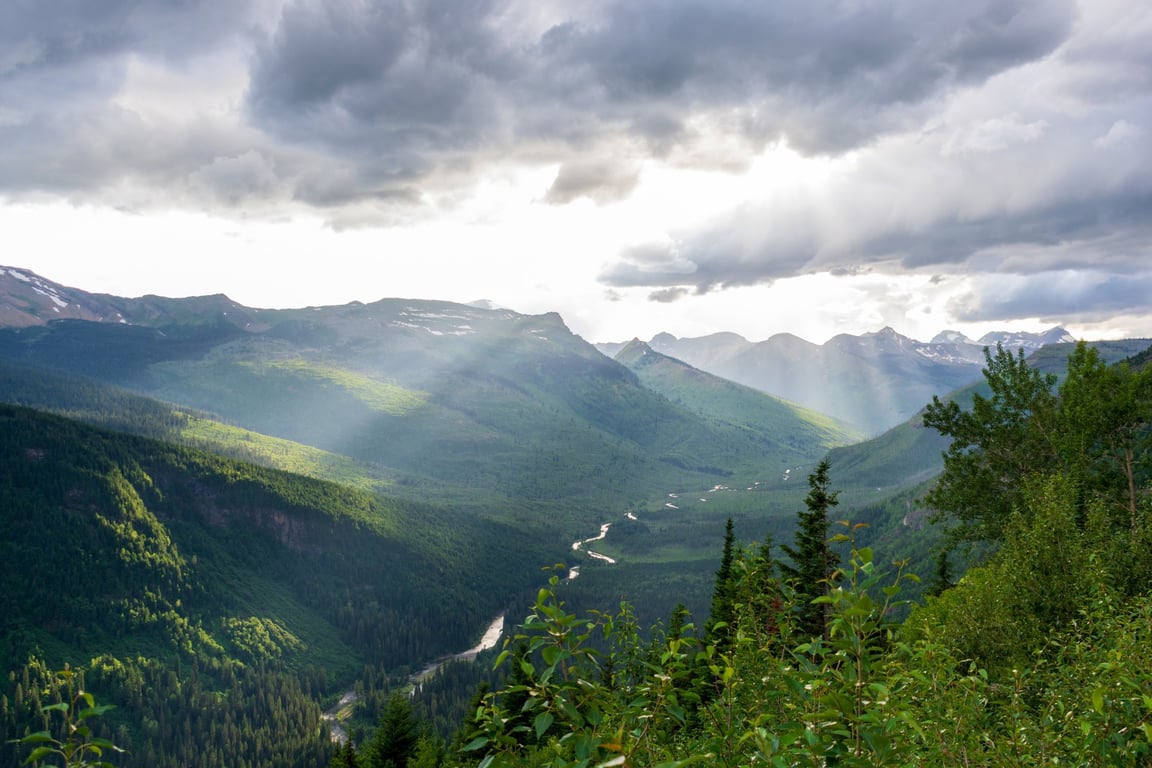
[{"x": 214, "y": 593}]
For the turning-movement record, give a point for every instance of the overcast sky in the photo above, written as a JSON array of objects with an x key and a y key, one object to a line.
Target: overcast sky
[{"x": 691, "y": 166}]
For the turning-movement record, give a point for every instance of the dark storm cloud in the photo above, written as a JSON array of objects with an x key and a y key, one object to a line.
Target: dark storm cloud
[
  {"x": 62, "y": 65},
  {"x": 1070, "y": 233},
  {"x": 62, "y": 34},
  {"x": 390, "y": 79},
  {"x": 402, "y": 91}
]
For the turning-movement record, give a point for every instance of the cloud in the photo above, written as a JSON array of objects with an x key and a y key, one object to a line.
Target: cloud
[
  {"x": 602, "y": 181},
  {"x": 1009, "y": 135},
  {"x": 392, "y": 95},
  {"x": 650, "y": 264},
  {"x": 1028, "y": 172},
  {"x": 414, "y": 88},
  {"x": 1068, "y": 295},
  {"x": 668, "y": 295}
]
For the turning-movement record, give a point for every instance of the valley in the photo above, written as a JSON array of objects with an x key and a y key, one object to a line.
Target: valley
[{"x": 333, "y": 501}]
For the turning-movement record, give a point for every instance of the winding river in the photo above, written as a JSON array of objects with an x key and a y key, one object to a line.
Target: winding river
[{"x": 341, "y": 710}]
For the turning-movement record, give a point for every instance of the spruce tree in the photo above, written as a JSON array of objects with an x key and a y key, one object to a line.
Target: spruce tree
[
  {"x": 942, "y": 579},
  {"x": 812, "y": 559},
  {"x": 723, "y": 615},
  {"x": 396, "y": 736},
  {"x": 345, "y": 757}
]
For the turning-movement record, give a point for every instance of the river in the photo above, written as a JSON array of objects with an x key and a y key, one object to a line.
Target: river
[
  {"x": 342, "y": 710},
  {"x": 339, "y": 712}
]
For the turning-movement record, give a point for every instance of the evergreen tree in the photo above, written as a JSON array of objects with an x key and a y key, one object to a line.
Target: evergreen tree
[
  {"x": 471, "y": 720},
  {"x": 676, "y": 622},
  {"x": 812, "y": 559},
  {"x": 723, "y": 615},
  {"x": 429, "y": 753},
  {"x": 1002, "y": 439},
  {"x": 396, "y": 736},
  {"x": 942, "y": 579},
  {"x": 345, "y": 757}
]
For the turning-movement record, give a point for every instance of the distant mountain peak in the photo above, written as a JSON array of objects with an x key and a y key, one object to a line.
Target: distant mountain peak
[
  {"x": 633, "y": 350},
  {"x": 951, "y": 337},
  {"x": 1025, "y": 340},
  {"x": 485, "y": 304}
]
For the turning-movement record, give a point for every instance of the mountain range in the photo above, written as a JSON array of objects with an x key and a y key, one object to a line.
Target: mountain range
[{"x": 872, "y": 381}]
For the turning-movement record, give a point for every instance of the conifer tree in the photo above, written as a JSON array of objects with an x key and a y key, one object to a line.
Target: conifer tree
[
  {"x": 942, "y": 578},
  {"x": 723, "y": 615},
  {"x": 396, "y": 736},
  {"x": 345, "y": 757},
  {"x": 1000, "y": 440},
  {"x": 812, "y": 559}
]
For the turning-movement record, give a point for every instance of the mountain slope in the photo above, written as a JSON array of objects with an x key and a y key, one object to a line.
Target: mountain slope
[
  {"x": 872, "y": 381},
  {"x": 219, "y": 601},
  {"x": 185, "y": 539},
  {"x": 787, "y": 429},
  {"x": 512, "y": 406}
]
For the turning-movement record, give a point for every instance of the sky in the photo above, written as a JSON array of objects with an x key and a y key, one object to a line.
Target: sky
[{"x": 639, "y": 166}]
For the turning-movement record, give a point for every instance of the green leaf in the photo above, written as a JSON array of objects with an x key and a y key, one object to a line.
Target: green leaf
[
  {"x": 38, "y": 754},
  {"x": 36, "y": 738},
  {"x": 95, "y": 711},
  {"x": 569, "y": 711},
  {"x": 542, "y": 723},
  {"x": 477, "y": 743}
]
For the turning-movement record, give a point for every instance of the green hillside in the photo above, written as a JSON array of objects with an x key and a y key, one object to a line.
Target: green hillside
[
  {"x": 158, "y": 559},
  {"x": 786, "y": 429}
]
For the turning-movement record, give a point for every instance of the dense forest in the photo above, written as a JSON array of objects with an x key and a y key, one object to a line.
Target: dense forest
[
  {"x": 217, "y": 603},
  {"x": 811, "y": 653}
]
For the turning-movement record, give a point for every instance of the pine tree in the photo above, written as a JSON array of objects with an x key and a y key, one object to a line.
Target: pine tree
[
  {"x": 1002, "y": 439},
  {"x": 345, "y": 757},
  {"x": 723, "y": 615},
  {"x": 812, "y": 559},
  {"x": 396, "y": 736},
  {"x": 942, "y": 579}
]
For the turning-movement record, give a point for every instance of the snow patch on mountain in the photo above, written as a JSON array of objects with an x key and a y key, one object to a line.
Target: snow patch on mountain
[{"x": 38, "y": 285}]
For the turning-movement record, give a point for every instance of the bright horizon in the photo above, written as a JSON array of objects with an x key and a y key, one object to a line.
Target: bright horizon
[{"x": 686, "y": 167}]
